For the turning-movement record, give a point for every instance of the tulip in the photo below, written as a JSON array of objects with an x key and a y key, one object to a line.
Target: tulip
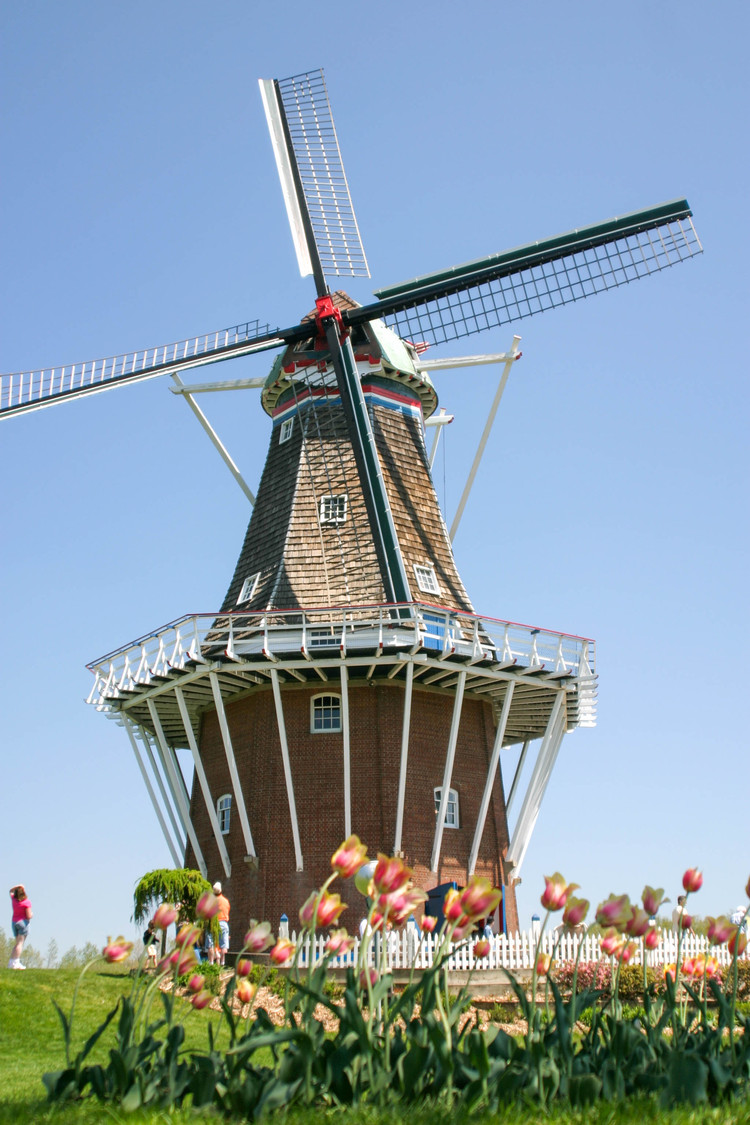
[
  {"x": 638, "y": 924},
  {"x": 184, "y": 960},
  {"x": 670, "y": 971},
  {"x": 575, "y": 911},
  {"x": 614, "y": 912},
  {"x": 208, "y": 906},
  {"x": 452, "y": 908},
  {"x": 626, "y": 952},
  {"x": 258, "y": 937},
  {"x": 718, "y": 930},
  {"x": 390, "y": 874},
  {"x": 556, "y": 891},
  {"x": 651, "y": 939},
  {"x": 402, "y": 903},
  {"x": 117, "y": 950},
  {"x": 243, "y": 968},
  {"x": 339, "y": 942},
  {"x": 165, "y": 915},
  {"x": 196, "y": 982},
  {"x": 364, "y": 975},
  {"x": 427, "y": 923},
  {"x": 737, "y": 942},
  {"x": 349, "y": 857},
  {"x": 463, "y": 929},
  {"x": 282, "y": 952},
  {"x": 479, "y": 898},
  {"x": 188, "y": 935},
  {"x": 245, "y": 991},
  {"x": 482, "y": 948},
  {"x": 747, "y": 889},
  {"x": 543, "y": 964},
  {"x": 201, "y": 1000},
  {"x": 612, "y": 942},
  {"x": 686, "y": 921},
  {"x": 653, "y": 899},
  {"x": 692, "y": 880}
]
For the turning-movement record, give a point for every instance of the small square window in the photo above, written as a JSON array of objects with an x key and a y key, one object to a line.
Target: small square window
[
  {"x": 426, "y": 579},
  {"x": 286, "y": 430},
  {"x": 323, "y": 638},
  {"x": 333, "y": 508},
  {"x": 451, "y": 813},
  {"x": 224, "y": 812},
  {"x": 249, "y": 586},
  {"x": 326, "y": 713}
]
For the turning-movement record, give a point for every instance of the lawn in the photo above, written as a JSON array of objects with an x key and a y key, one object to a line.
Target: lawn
[{"x": 31, "y": 1043}]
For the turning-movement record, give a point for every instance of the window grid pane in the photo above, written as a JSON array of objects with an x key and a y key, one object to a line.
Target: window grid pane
[{"x": 327, "y": 713}]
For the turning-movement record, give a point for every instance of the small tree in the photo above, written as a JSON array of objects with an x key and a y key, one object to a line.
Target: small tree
[{"x": 180, "y": 886}]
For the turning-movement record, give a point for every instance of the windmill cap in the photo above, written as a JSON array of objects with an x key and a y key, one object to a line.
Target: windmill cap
[{"x": 217, "y": 888}]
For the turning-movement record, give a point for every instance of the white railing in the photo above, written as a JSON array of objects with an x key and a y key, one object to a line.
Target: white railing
[
  {"x": 336, "y": 632},
  {"x": 408, "y": 949}
]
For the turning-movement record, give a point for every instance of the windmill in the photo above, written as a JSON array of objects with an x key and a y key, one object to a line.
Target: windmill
[{"x": 347, "y": 683}]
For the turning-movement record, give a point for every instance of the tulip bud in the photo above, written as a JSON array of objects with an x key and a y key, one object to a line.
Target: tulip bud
[
  {"x": 692, "y": 880},
  {"x": 243, "y": 968},
  {"x": 201, "y": 1000},
  {"x": 207, "y": 906},
  {"x": 245, "y": 991},
  {"x": 482, "y": 948},
  {"x": 282, "y": 952},
  {"x": 117, "y": 950},
  {"x": 349, "y": 857},
  {"x": 427, "y": 923},
  {"x": 651, "y": 939}
]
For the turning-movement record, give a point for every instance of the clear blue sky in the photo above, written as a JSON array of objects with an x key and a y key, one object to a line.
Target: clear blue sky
[{"x": 140, "y": 205}]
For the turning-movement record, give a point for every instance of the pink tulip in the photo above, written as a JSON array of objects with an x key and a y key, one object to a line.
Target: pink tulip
[
  {"x": 482, "y": 948},
  {"x": 363, "y": 977},
  {"x": 651, "y": 939},
  {"x": 208, "y": 906},
  {"x": 626, "y": 952},
  {"x": 747, "y": 889},
  {"x": 258, "y": 937},
  {"x": 402, "y": 903},
  {"x": 329, "y": 909},
  {"x": 427, "y": 923},
  {"x": 282, "y": 952},
  {"x": 349, "y": 857},
  {"x": 390, "y": 874},
  {"x": 614, "y": 912},
  {"x": 117, "y": 950},
  {"x": 339, "y": 943},
  {"x": 543, "y": 964},
  {"x": 612, "y": 942},
  {"x": 556, "y": 891},
  {"x": 452, "y": 908},
  {"x": 686, "y": 921},
  {"x": 575, "y": 911},
  {"x": 196, "y": 982},
  {"x": 737, "y": 943},
  {"x": 479, "y": 898},
  {"x": 245, "y": 991},
  {"x": 463, "y": 929},
  {"x": 652, "y": 899},
  {"x": 692, "y": 880},
  {"x": 718, "y": 930},
  {"x": 243, "y": 968},
  {"x": 638, "y": 924},
  {"x": 201, "y": 1000},
  {"x": 165, "y": 915},
  {"x": 188, "y": 935}
]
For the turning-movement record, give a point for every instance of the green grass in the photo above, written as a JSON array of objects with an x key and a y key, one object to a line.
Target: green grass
[{"x": 31, "y": 1043}]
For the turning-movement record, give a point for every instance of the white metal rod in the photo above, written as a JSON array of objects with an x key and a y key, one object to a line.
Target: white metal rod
[
  {"x": 203, "y": 781},
  {"x": 177, "y": 786},
  {"x": 536, "y": 788},
  {"x": 509, "y": 361},
  {"x": 144, "y": 774},
  {"x": 215, "y": 440},
  {"x": 404, "y": 758},
  {"x": 232, "y": 764},
  {"x": 450, "y": 363},
  {"x": 179, "y": 835},
  {"x": 347, "y": 752},
  {"x": 517, "y": 776},
  {"x": 287, "y": 767},
  {"x": 491, "y": 774},
  {"x": 448, "y": 771},
  {"x": 253, "y": 384}
]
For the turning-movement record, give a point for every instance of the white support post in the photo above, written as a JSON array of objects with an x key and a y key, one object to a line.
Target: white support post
[
  {"x": 510, "y": 358},
  {"x": 517, "y": 776},
  {"x": 404, "y": 758},
  {"x": 232, "y": 764},
  {"x": 203, "y": 780},
  {"x": 144, "y": 774},
  {"x": 548, "y": 751},
  {"x": 215, "y": 439},
  {"x": 178, "y": 786},
  {"x": 347, "y": 752},
  {"x": 438, "y": 421},
  {"x": 287, "y": 767},
  {"x": 448, "y": 771},
  {"x": 491, "y": 774},
  {"x": 179, "y": 835}
]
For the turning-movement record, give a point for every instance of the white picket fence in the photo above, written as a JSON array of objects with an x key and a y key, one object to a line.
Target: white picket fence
[{"x": 405, "y": 950}]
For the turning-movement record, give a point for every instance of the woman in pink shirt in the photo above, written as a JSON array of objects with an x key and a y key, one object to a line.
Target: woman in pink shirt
[{"x": 22, "y": 915}]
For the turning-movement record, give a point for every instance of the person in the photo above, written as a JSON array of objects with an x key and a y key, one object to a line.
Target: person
[
  {"x": 218, "y": 956},
  {"x": 738, "y": 918},
  {"x": 677, "y": 913},
  {"x": 22, "y": 915},
  {"x": 149, "y": 942}
]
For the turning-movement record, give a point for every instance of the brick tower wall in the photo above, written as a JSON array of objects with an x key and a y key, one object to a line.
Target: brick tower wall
[{"x": 274, "y": 886}]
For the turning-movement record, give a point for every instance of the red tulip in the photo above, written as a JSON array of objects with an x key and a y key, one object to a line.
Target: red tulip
[
  {"x": 482, "y": 948},
  {"x": 427, "y": 923},
  {"x": 165, "y": 915},
  {"x": 117, "y": 950},
  {"x": 479, "y": 898},
  {"x": 201, "y": 1000},
  {"x": 575, "y": 911},
  {"x": 243, "y": 968},
  {"x": 651, "y": 939},
  {"x": 258, "y": 937},
  {"x": 339, "y": 942},
  {"x": 692, "y": 880},
  {"x": 245, "y": 991},
  {"x": 652, "y": 899},
  {"x": 349, "y": 857},
  {"x": 390, "y": 874},
  {"x": 282, "y": 952},
  {"x": 556, "y": 891},
  {"x": 615, "y": 911},
  {"x": 207, "y": 906},
  {"x": 543, "y": 964}
]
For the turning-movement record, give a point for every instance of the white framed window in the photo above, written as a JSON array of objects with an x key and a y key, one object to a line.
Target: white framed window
[
  {"x": 426, "y": 579},
  {"x": 333, "y": 508},
  {"x": 323, "y": 638},
  {"x": 325, "y": 713},
  {"x": 249, "y": 586},
  {"x": 287, "y": 426},
  {"x": 224, "y": 812},
  {"x": 451, "y": 813}
]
